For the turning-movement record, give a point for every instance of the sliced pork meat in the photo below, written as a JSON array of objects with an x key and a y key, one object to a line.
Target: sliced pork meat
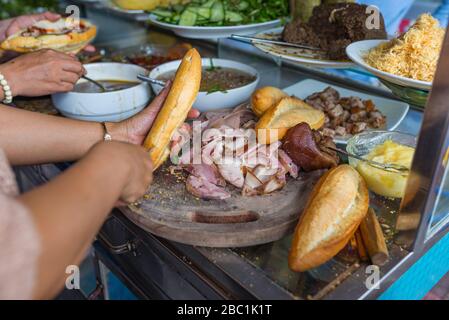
[
  {"x": 302, "y": 147},
  {"x": 274, "y": 184},
  {"x": 251, "y": 186},
  {"x": 234, "y": 119},
  {"x": 232, "y": 173},
  {"x": 206, "y": 172},
  {"x": 205, "y": 190},
  {"x": 288, "y": 164}
]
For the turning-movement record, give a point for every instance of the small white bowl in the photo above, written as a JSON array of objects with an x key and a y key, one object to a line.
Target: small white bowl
[
  {"x": 216, "y": 100},
  {"x": 109, "y": 106}
]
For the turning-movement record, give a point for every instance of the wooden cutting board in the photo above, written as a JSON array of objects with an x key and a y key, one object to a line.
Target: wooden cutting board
[{"x": 169, "y": 211}]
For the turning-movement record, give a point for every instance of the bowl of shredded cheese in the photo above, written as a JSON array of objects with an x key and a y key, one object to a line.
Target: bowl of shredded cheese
[{"x": 409, "y": 61}]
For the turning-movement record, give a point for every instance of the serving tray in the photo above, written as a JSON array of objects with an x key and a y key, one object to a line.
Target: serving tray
[{"x": 169, "y": 211}]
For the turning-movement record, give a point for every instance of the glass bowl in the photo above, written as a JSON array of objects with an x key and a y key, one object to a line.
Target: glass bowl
[{"x": 382, "y": 182}]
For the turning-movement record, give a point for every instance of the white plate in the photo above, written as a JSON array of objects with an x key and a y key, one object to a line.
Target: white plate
[
  {"x": 357, "y": 51},
  {"x": 299, "y": 56},
  {"x": 395, "y": 111},
  {"x": 214, "y": 32}
]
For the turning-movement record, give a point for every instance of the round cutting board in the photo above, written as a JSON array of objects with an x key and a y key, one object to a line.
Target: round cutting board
[{"x": 169, "y": 211}]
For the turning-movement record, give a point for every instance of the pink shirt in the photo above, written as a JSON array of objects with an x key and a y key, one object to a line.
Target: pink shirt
[{"x": 19, "y": 240}]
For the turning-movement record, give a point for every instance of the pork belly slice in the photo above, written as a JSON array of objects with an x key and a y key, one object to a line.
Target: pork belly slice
[
  {"x": 206, "y": 172},
  {"x": 205, "y": 190}
]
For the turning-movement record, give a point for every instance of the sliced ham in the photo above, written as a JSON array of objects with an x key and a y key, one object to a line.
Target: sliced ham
[
  {"x": 288, "y": 164},
  {"x": 274, "y": 184},
  {"x": 205, "y": 190},
  {"x": 232, "y": 173},
  {"x": 206, "y": 172}
]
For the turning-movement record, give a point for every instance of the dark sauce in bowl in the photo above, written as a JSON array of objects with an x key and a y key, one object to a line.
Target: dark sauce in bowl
[
  {"x": 110, "y": 85},
  {"x": 218, "y": 79}
]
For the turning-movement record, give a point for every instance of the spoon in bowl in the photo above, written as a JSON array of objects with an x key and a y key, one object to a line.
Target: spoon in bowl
[
  {"x": 395, "y": 168},
  {"x": 151, "y": 80},
  {"x": 98, "y": 84}
]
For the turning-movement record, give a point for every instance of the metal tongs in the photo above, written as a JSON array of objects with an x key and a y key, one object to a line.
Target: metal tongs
[
  {"x": 277, "y": 42},
  {"x": 394, "y": 168}
]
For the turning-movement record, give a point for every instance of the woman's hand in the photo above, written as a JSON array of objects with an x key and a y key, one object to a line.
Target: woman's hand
[
  {"x": 12, "y": 26},
  {"x": 135, "y": 129},
  {"x": 42, "y": 72},
  {"x": 130, "y": 162}
]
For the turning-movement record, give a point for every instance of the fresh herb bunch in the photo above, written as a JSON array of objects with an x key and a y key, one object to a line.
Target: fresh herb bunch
[
  {"x": 14, "y": 8},
  {"x": 223, "y": 12}
]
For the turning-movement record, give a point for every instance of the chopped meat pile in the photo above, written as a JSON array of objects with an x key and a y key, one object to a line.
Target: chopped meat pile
[
  {"x": 333, "y": 27},
  {"x": 230, "y": 155},
  {"x": 345, "y": 115}
]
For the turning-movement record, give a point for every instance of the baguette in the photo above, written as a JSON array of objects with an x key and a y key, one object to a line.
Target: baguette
[
  {"x": 337, "y": 205},
  {"x": 61, "y": 35},
  {"x": 265, "y": 98},
  {"x": 180, "y": 99}
]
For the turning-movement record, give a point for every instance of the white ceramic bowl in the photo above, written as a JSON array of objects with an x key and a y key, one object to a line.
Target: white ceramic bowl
[
  {"x": 216, "y": 100},
  {"x": 110, "y": 106},
  {"x": 357, "y": 52}
]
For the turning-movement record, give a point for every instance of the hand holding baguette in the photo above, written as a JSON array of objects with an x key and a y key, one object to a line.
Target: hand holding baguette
[{"x": 180, "y": 99}]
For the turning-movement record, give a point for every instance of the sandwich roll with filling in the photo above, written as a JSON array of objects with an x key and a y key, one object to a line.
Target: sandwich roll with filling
[
  {"x": 65, "y": 35},
  {"x": 180, "y": 99},
  {"x": 338, "y": 204}
]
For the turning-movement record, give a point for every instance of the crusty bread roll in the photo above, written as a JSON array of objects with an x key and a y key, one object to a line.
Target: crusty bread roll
[
  {"x": 180, "y": 99},
  {"x": 335, "y": 209},
  {"x": 265, "y": 98},
  {"x": 66, "y": 35}
]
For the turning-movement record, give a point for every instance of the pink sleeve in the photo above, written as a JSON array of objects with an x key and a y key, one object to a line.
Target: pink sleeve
[{"x": 19, "y": 241}]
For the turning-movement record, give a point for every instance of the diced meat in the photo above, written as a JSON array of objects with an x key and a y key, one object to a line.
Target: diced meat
[
  {"x": 340, "y": 131},
  {"x": 205, "y": 190},
  {"x": 345, "y": 115},
  {"x": 358, "y": 127},
  {"x": 337, "y": 111},
  {"x": 328, "y": 132}
]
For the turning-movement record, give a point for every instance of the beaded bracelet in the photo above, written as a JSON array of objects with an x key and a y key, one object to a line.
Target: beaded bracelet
[{"x": 6, "y": 90}]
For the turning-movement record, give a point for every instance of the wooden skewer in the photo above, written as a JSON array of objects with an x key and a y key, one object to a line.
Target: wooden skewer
[
  {"x": 361, "y": 246},
  {"x": 408, "y": 222},
  {"x": 374, "y": 239}
]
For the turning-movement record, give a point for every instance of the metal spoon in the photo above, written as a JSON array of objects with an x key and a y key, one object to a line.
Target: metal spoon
[
  {"x": 98, "y": 84},
  {"x": 151, "y": 80},
  {"x": 387, "y": 167}
]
